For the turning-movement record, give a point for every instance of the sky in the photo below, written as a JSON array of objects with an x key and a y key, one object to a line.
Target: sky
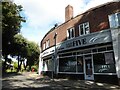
[{"x": 42, "y": 15}]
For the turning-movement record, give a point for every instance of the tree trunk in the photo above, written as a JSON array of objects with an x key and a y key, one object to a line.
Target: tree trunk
[
  {"x": 25, "y": 66},
  {"x": 18, "y": 63},
  {"x": 30, "y": 67}
]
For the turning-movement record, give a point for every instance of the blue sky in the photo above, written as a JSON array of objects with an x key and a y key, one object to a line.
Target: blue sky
[{"x": 41, "y": 15}]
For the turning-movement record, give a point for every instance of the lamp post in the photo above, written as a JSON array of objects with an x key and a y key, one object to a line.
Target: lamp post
[{"x": 54, "y": 58}]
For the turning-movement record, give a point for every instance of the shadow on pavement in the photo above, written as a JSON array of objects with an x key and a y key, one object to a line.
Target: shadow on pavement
[
  {"x": 28, "y": 82},
  {"x": 9, "y": 74}
]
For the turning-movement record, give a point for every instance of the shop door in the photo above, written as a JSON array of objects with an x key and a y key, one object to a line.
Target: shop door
[{"x": 88, "y": 67}]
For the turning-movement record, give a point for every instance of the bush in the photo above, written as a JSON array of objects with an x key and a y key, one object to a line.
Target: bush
[
  {"x": 27, "y": 68},
  {"x": 35, "y": 68},
  {"x": 15, "y": 65}
]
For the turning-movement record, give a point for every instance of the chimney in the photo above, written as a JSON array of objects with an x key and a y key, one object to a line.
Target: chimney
[{"x": 68, "y": 13}]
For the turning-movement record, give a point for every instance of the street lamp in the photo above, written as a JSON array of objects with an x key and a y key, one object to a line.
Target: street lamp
[{"x": 54, "y": 56}]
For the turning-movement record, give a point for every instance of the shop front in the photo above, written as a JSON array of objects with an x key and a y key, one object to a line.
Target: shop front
[
  {"x": 89, "y": 56},
  {"x": 88, "y": 62}
]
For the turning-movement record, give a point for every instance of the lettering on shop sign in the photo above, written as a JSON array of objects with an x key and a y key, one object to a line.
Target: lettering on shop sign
[
  {"x": 104, "y": 68},
  {"x": 76, "y": 43},
  {"x": 45, "y": 53}
]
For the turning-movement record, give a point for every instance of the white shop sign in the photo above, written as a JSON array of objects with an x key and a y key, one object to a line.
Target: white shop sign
[{"x": 48, "y": 51}]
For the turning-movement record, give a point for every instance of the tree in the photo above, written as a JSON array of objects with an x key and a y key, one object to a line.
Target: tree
[
  {"x": 11, "y": 24},
  {"x": 33, "y": 54},
  {"x": 25, "y": 49},
  {"x": 19, "y": 48}
]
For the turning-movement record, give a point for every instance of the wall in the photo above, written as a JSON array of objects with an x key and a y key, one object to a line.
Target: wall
[{"x": 97, "y": 17}]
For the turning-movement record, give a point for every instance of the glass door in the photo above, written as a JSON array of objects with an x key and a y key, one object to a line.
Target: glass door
[{"x": 88, "y": 67}]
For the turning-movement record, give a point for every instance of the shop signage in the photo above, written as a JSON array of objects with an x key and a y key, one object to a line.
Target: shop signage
[
  {"x": 86, "y": 40},
  {"x": 48, "y": 51},
  {"x": 76, "y": 43}
]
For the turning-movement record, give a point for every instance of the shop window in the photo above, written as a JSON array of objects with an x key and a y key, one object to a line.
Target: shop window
[
  {"x": 47, "y": 64},
  {"x": 109, "y": 58},
  {"x": 79, "y": 63},
  {"x": 67, "y": 64},
  {"x": 114, "y": 20},
  {"x": 70, "y": 33},
  {"x": 104, "y": 62},
  {"x": 50, "y": 64},
  {"x": 84, "y": 28},
  {"x": 45, "y": 68}
]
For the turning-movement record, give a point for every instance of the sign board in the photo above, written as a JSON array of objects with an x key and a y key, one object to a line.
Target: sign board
[
  {"x": 86, "y": 40},
  {"x": 48, "y": 51}
]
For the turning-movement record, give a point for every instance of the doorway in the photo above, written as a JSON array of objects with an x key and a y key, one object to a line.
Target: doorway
[{"x": 88, "y": 67}]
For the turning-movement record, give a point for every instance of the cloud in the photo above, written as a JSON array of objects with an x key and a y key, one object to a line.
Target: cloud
[{"x": 41, "y": 15}]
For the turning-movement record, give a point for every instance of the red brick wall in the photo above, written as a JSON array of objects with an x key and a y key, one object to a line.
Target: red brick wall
[{"x": 97, "y": 18}]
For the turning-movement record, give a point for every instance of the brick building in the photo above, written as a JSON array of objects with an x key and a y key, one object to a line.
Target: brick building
[{"x": 86, "y": 46}]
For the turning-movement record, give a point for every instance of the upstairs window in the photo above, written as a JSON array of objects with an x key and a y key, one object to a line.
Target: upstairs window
[
  {"x": 84, "y": 28},
  {"x": 47, "y": 43},
  {"x": 70, "y": 33},
  {"x": 44, "y": 46},
  {"x": 114, "y": 20}
]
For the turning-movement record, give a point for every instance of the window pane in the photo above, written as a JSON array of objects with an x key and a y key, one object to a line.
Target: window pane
[
  {"x": 101, "y": 49},
  {"x": 80, "y": 64},
  {"x": 109, "y": 58},
  {"x": 109, "y": 48},
  {"x": 112, "y": 20},
  {"x": 86, "y": 51},
  {"x": 94, "y": 50},
  {"x": 50, "y": 64},
  {"x": 72, "y": 32},
  {"x": 43, "y": 46},
  {"x": 98, "y": 59},
  {"x": 109, "y": 68},
  {"x": 104, "y": 63},
  {"x": 80, "y": 53},
  {"x": 81, "y": 29},
  {"x": 86, "y": 26},
  {"x": 67, "y": 64},
  {"x": 118, "y": 16},
  {"x": 69, "y": 34}
]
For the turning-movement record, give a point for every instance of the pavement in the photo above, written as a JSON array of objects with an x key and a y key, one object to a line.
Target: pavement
[{"x": 31, "y": 81}]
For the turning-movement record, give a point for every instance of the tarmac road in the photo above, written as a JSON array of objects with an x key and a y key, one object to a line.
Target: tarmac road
[{"x": 32, "y": 81}]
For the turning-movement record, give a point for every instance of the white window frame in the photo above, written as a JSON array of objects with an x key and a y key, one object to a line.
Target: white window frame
[
  {"x": 72, "y": 32},
  {"x": 114, "y": 20},
  {"x": 84, "y": 26},
  {"x": 44, "y": 46},
  {"x": 48, "y": 43}
]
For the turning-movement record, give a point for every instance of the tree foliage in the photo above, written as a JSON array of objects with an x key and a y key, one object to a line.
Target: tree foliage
[
  {"x": 13, "y": 42},
  {"x": 11, "y": 24},
  {"x": 33, "y": 54},
  {"x": 25, "y": 49}
]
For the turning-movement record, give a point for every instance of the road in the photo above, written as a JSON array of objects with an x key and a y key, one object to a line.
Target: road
[{"x": 32, "y": 81}]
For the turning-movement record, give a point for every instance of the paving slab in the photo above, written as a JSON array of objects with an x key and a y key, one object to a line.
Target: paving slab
[{"x": 31, "y": 80}]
